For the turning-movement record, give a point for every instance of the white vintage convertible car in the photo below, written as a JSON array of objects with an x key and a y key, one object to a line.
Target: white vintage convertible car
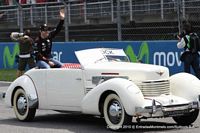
[{"x": 105, "y": 83}]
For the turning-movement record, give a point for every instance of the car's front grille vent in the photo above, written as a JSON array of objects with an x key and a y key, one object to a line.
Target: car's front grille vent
[{"x": 154, "y": 88}]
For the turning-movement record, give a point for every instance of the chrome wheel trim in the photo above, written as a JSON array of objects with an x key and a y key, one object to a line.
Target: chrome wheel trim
[
  {"x": 115, "y": 111},
  {"x": 22, "y": 104}
]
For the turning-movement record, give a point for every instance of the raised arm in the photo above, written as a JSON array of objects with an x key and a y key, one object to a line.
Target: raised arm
[
  {"x": 16, "y": 36},
  {"x": 60, "y": 24}
]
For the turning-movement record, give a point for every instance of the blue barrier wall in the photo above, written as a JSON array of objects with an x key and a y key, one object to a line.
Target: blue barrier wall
[{"x": 152, "y": 52}]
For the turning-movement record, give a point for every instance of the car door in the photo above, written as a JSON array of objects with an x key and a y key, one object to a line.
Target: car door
[{"x": 65, "y": 89}]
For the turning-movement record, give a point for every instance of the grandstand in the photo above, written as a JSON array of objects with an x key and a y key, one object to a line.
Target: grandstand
[{"x": 101, "y": 20}]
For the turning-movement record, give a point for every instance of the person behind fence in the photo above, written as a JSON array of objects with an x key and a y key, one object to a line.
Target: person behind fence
[
  {"x": 25, "y": 51},
  {"x": 43, "y": 45},
  {"x": 190, "y": 42}
]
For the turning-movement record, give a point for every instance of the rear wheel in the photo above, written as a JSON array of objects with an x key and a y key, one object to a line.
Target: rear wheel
[
  {"x": 114, "y": 113},
  {"x": 21, "y": 106},
  {"x": 186, "y": 120}
]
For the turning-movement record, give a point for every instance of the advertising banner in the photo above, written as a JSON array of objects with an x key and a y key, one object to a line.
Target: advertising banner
[{"x": 163, "y": 53}]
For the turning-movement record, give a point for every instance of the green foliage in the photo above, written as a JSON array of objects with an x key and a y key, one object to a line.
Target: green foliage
[{"x": 7, "y": 74}]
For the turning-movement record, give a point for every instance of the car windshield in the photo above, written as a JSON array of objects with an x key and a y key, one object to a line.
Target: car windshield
[{"x": 117, "y": 58}]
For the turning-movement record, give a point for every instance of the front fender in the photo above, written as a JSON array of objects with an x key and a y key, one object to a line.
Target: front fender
[
  {"x": 129, "y": 93},
  {"x": 25, "y": 83},
  {"x": 185, "y": 85}
]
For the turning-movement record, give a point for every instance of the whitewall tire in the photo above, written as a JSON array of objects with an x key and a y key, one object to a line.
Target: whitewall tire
[
  {"x": 114, "y": 113},
  {"x": 21, "y": 106}
]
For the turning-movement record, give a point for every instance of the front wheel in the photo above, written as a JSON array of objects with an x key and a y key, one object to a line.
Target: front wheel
[
  {"x": 21, "y": 106},
  {"x": 114, "y": 113},
  {"x": 186, "y": 120}
]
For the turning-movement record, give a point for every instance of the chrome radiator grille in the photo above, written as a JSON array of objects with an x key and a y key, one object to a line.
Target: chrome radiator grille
[{"x": 154, "y": 88}]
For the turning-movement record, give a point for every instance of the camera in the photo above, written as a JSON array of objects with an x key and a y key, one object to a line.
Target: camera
[{"x": 181, "y": 35}]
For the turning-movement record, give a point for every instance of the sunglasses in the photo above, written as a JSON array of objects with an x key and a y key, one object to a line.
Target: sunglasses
[{"x": 45, "y": 30}]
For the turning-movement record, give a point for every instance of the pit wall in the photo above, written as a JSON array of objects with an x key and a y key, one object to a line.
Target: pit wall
[{"x": 163, "y": 53}]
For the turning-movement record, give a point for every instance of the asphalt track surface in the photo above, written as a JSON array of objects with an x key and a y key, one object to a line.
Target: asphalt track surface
[{"x": 54, "y": 122}]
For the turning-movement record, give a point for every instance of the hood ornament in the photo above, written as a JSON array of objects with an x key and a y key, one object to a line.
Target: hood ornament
[{"x": 160, "y": 73}]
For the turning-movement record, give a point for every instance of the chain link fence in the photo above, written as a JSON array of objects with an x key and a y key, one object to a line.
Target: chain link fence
[{"x": 104, "y": 20}]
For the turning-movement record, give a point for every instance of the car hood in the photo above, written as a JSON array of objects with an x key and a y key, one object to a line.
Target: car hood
[{"x": 135, "y": 71}]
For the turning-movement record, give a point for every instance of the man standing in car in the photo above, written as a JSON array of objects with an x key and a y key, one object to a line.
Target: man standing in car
[{"x": 43, "y": 45}]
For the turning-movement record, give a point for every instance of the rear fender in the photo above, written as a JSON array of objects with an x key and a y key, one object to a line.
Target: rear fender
[{"x": 28, "y": 86}]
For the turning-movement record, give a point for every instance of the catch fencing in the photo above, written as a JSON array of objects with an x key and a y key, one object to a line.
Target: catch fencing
[{"x": 104, "y": 20}]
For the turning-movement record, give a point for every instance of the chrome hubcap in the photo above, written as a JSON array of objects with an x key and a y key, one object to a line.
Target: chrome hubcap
[
  {"x": 22, "y": 105},
  {"x": 115, "y": 112}
]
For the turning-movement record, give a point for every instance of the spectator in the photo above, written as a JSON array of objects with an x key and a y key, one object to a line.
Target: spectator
[
  {"x": 9, "y": 2},
  {"x": 22, "y": 1},
  {"x": 26, "y": 50},
  {"x": 190, "y": 56},
  {"x": 40, "y": 1},
  {"x": 43, "y": 45},
  {"x": 31, "y": 2}
]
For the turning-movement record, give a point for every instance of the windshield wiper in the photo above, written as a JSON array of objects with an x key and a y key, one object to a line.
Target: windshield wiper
[{"x": 99, "y": 60}]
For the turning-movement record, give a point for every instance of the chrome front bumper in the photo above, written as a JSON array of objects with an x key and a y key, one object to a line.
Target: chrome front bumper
[
  {"x": 2, "y": 95},
  {"x": 156, "y": 111}
]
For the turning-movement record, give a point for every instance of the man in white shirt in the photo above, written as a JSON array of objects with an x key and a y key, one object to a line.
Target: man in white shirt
[{"x": 190, "y": 56}]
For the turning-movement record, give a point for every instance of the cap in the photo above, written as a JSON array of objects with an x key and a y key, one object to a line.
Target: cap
[
  {"x": 44, "y": 27},
  {"x": 27, "y": 32},
  {"x": 187, "y": 27}
]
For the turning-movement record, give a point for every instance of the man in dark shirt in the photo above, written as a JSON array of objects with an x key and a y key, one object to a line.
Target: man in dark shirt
[{"x": 43, "y": 45}]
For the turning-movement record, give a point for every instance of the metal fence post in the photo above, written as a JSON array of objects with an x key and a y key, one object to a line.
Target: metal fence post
[
  {"x": 66, "y": 20},
  {"x": 161, "y": 8},
  {"x": 68, "y": 13},
  {"x": 45, "y": 13},
  {"x": 179, "y": 16},
  {"x": 21, "y": 26},
  {"x": 183, "y": 8},
  {"x": 112, "y": 10},
  {"x": 131, "y": 10},
  {"x": 18, "y": 17},
  {"x": 119, "y": 27},
  {"x": 85, "y": 11},
  {"x": 31, "y": 14}
]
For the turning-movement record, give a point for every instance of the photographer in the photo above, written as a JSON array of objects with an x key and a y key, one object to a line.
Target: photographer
[
  {"x": 25, "y": 50},
  {"x": 190, "y": 56}
]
